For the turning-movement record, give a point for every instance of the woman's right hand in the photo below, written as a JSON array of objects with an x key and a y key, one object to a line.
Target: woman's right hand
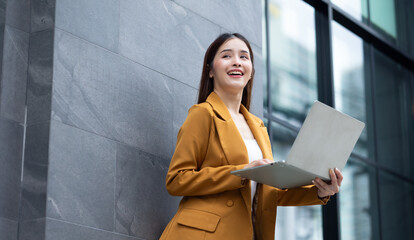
[
  {"x": 255, "y": 163},
  {"x": 258, "y": 162}
]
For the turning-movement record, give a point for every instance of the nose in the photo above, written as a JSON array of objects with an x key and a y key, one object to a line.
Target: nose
[{"x": 236, "y": 62}]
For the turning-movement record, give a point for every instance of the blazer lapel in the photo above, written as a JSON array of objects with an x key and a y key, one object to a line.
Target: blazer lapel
[
  {"x": 259, "y": 132},
  {"x": 230, "y": 138},
  {"x": 232, "y": 142}
]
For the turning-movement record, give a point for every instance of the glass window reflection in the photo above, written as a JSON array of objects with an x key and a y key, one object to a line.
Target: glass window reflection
[
  {"x": 358, "y": 211},
  {"x": 392, "y": 19},
  {"x": 299, "y": 223},
  {"x": 282, "y": 141},
  {"x": 393, "y": 115},
  {"x": 349, "y": 79},
  {"x": 292, "y": 58},
  {"x": 356, "y": 8},
  {"x": 293, "y": 223},
  {"x": 397, "y": 208}
]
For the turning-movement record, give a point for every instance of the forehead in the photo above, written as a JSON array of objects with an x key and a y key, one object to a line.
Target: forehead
[{"x": 234, "y": 44}]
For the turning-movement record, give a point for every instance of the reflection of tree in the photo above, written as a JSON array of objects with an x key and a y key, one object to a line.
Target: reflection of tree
[
  {"x": 350, "y": 98},
  {"x": 293, "y": 65}
]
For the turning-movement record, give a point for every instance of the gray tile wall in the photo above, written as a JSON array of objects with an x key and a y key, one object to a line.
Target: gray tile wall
[
  {"x": 11, "y": 136},
  {"x": 125, "y": 74},
  {"x": 14, "y": 45},
  {"x": 109, "y": 84},
  {"x": 32, "y": 219},
  {"x": 26, "y": 47},
  {"x": 14, "y": 74}
]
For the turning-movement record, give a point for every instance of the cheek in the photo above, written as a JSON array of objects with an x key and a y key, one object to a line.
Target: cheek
[
  {"x": 218, "y": 64},
  {"x": 250, "y": 69}
]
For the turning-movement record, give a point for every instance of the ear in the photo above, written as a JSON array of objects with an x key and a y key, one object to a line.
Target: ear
[{"x": 210, "y": 73}]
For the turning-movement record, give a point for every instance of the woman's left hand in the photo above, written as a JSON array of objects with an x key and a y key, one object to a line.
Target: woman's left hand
[{"x": 325, "y": 189}]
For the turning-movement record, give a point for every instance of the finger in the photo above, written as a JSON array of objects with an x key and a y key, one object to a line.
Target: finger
[
  {"x": 267, "y": 160},
  {"x": 331, "y": 188},
  {"x": 256, "y": 163},
  {"x": 264, "y": 161},
  {"x": 339, "y": 175},
  {"x": 322, "y": 186},
  {"x": 334, "y": 180},
  {"x": 321, "y": 190}
]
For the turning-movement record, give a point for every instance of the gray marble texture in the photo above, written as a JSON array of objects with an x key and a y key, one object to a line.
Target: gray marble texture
[
  {"x": 109, "y": 95},
  {"x": 3, "y": 5},
  {"x": 32, "y": 229},
  {"x": 11, "y": 139},
  {"x": 184, "y": 97},
  {"x": 96, "y": 21},
  {"x": 2, "y": 28},
  {"x": 42, "y": 14},
  {"x": 39, "y": 86},
  {"x": 165, "y": 37},
  {"x": 14, "y": 74},
  {"x": 33, "y": 195},
  {"x": 113, "y": 79},
  {"x": 143, "y": 205},
  {"x": 37, "y": 144},
  {"x": 18, "y": 14},
  {"x": 256, "y": 105},
  {"x": 60, "y": 230},
  {"x": 243, "y": 17},
  {"x": 81, "y": 177},
  {"x": 8, "y": 229}
]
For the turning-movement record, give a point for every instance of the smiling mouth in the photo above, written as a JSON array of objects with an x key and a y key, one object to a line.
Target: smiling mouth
[{"x": 235, "y": 73}]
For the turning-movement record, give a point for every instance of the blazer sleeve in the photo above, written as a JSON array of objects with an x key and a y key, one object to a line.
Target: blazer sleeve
[
  {"x": 185, "y": 177},
  {"x": 301, "y": 196}
]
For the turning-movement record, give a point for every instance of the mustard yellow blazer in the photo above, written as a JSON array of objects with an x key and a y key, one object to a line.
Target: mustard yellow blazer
[{"x": 216, "y": 204}]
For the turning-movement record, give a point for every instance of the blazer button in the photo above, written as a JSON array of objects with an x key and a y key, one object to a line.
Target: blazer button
[{"x": 230, "y": 203}]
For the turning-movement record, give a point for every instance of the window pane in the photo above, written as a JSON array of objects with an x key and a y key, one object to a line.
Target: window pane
[
  {"x": 392, "y": 19},
  {"x": 349, "y": 79},
  {"x": 397, "y": 208},
  {"x": 292, "y": 59},
  {"x": 356, "y": 8},
  {"x": 393, "y": 115},
  {"x": 293, "y": 223},
  {"x": 358, "y": 202},
  {"x": 264, "y": 52},
  {"x": 282, "y": 141},
  {"x": 299, "y": 223}
]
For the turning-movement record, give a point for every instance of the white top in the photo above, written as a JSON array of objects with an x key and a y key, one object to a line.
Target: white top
[{"x": 254, "y": 153}]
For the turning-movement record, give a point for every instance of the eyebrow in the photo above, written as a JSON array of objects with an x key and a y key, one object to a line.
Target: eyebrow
[{"x": 230, "y": 50}]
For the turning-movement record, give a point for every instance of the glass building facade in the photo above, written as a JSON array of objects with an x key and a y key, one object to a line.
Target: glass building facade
[{"x": 357, "y": 56}]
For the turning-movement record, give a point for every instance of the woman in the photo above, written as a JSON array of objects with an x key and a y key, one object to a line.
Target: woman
[{"x": 219, "y": 136}]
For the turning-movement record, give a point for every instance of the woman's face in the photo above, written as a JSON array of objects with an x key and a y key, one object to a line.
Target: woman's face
[{"x": 232, "y": 67}]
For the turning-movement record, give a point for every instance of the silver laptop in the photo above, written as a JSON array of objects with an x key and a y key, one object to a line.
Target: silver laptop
[{"x": 325, "y": 141}]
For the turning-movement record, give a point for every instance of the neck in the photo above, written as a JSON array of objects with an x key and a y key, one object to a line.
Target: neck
[{"x": 232, "y": 101}]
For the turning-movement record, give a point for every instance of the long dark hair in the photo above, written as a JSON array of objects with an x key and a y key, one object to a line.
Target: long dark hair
[{"x": 207, "y": 83}]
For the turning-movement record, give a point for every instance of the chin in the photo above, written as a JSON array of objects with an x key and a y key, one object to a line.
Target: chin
[{"x": 235, "y": 88}]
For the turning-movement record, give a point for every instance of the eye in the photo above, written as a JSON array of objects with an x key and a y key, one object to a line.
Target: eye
[
  {"x": 245, "y": 57},
  {"x": 226, "y": 56}
]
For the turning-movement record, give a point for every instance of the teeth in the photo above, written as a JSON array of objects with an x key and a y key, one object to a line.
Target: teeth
[{"x": 235, "y": 73}]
